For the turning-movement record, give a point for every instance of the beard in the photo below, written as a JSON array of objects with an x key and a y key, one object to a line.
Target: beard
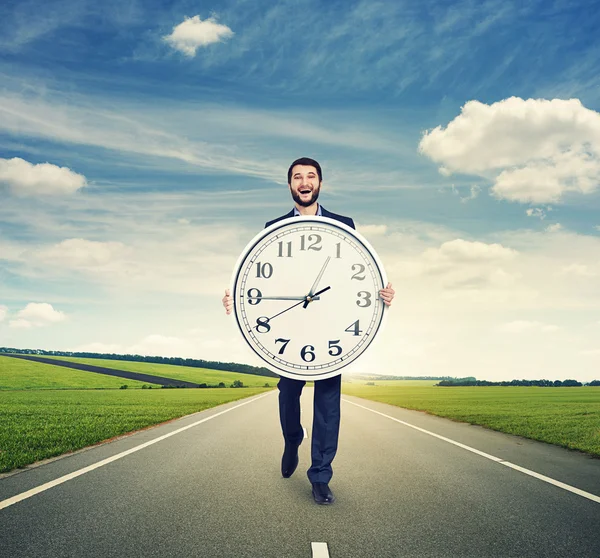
[{"x": 313, "y": 198}]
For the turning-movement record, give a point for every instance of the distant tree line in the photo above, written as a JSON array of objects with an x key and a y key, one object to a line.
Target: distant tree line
[
  {"x": 385, "y": 377},
  {"x": 539, "y": 383},
  {"x": 196, "y": 363}
]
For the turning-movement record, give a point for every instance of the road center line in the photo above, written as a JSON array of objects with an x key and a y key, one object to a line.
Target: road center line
[
  {"x": 43, "y": 487},
  {"x": 319, "y": 550},
  {"x": 549, "y": 480}
]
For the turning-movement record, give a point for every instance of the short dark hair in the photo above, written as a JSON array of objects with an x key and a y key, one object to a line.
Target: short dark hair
[{"x": 308, "y": 162}]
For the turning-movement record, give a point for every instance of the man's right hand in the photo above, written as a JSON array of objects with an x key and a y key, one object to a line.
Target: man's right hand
[{"x": 228, "y": 302}]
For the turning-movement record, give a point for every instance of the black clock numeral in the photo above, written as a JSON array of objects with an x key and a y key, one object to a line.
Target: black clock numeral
[
  {"x": 334, "y": 345},
  {"x": 363, "y": 296},
  {"x": 307, "y": 353},
  {"x": 254, "y": 299},
  {"x": 354, "y": 328},
  {"x": 281, "y": 250},
  {"x": 284, "y": 341},
  {"x": 315, "y": 243},
  {"x": 262, "y": 322},
  {"x": 361, "y": 270},
  {"x": 264, "y": 270}
]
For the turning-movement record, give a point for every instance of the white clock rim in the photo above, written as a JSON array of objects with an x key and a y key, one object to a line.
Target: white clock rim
[{"x": 296, "y": 220}]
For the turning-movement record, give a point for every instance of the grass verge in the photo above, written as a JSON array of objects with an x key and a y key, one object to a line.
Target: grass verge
[
  {"x": 567, "y": 417},
  {"x": 40, "y": 424}
]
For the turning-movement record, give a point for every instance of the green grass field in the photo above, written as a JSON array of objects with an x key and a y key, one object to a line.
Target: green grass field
[
  {"x": 25, "y": 374},
  {"x": 40, "y": 424},
  {"x": 568, "y": 417},
  {"x": 49, "y": 410},
  {"x": 186, "y": 373}
]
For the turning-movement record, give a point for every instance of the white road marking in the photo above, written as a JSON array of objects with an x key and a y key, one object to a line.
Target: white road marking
[
  {"x": 319, "y": 550},
  {"x": 43, "y": 487},
  {"x": 549, "y": 480},
  {"x": 305, "y": 432}
]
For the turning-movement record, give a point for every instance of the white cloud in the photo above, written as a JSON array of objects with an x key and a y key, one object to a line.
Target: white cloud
[
  {"x": 474, "y": 192},
  {"x": 459, "y": 264},
  {"x": 535, "y": 150},
  {"x": 78, "y": 253},
  {"x": 43, "y": 179},
  {"x": 95, "y": 347},
  {"x": 371, "y": 230},
  {"x": 520, "y": 326},
  {"x": 554, "y": 228},
  {"x": 3, "y": 312},
  {"x": 580, "y": 270},
  {"x": 37, "y": 315},
  {"x": 536, "y": 212},
  {"x": 464, "y": 251},
  {"x": 194, "y": 33},
  {"x": 191, "y": 344},
  {"x": 20, "y": 324}
]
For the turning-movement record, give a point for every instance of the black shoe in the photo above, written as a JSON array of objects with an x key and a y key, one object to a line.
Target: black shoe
[
  {"x": 289, "y": 461},
  {"x": 322, "y": 494}
]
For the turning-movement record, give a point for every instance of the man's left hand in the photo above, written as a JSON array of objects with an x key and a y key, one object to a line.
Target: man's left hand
[{"x": 387, "y": 294}]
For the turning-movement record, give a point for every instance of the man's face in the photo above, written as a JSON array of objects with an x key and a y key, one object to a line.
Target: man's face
[{"x": 305, "y": 185}]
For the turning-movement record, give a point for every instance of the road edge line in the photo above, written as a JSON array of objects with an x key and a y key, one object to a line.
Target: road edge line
[
  {"x": 529, "y": 472},
  {"x": 51, "y": 484}
]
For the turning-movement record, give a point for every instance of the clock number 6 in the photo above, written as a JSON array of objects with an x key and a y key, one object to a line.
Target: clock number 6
[{"x": 306, "y": 352}]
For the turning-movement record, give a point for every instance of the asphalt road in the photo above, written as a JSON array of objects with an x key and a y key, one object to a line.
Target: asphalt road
[{"x": 215, "y": 490}]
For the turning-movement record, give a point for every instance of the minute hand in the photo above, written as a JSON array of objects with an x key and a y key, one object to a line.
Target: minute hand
[{"x": 312, "y": 293}]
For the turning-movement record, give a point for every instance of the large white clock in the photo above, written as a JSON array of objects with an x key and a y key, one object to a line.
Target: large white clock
[{"x": 306, "y": 296}]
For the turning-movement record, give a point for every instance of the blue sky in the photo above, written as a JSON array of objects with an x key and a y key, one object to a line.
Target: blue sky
[{"x": 142, "y": 144}]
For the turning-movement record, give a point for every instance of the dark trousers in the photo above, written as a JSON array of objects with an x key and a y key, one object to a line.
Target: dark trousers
[{"x": 326, "y": 422}]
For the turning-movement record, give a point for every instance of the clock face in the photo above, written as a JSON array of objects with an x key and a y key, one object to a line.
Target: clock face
[{"x": 274, "y": 282}]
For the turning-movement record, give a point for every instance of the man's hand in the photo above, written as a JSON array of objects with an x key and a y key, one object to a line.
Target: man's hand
[
  {"x": 228, "y": 302},
  {"x": 387, "y": 294}
]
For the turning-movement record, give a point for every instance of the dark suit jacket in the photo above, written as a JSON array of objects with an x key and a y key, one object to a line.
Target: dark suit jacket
[{"x": 346, "y": 220}]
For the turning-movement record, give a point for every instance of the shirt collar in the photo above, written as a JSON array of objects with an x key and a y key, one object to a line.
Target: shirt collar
[{"x": 319, "y": 214}]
